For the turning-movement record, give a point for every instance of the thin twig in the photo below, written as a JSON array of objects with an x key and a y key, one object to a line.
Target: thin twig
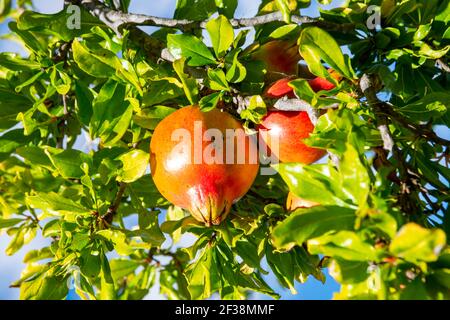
[{"x": 62, "y": 124}]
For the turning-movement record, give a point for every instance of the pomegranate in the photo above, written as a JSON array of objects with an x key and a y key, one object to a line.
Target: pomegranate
[{"x": 206, "y": 187}]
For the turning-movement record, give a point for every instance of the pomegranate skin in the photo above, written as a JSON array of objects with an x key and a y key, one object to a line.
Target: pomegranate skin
[
  {"x": 289, "y": 128},
  {"x": 280, "y": 89},
  {"x": 319, "y": 84},
  {"x": 206, "y": 190},
  {"x": 280, "y": 56}
]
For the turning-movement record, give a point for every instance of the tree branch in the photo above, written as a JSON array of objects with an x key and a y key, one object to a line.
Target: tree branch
[
  {"x": 443, "y": 65},
  {"x": 115, "y": 19},
  {"x": 367, "y": 85},
  {"x": 112, "y": 210},
  {"x": 408, "y": 178},
  {"x": 419, "y": 130}
]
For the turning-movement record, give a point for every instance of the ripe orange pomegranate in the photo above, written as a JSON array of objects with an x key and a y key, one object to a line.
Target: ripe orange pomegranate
[
  {"x": 288, "y": 128},
  {"x": 280, "y": 56},
  {"x": 184, "y": 174},
  {"x": 293, "y": 202}
]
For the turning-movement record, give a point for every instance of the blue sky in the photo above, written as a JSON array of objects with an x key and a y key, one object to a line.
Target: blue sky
[{"x": 10, "y": 267}]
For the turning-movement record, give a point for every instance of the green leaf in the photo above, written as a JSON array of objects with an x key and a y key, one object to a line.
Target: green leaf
[
  {"x": 189, "y": 83},
  {"x": 307, "y": 264},
  {"x": 58, "y": 24},
  {"x": 107, "y": 291},
  {"x": 44, "y": 287},
  {"x": 121, "y": 268},
  {"x": 346, "y": 245},
  {"x": 283, "y": 6},
  {"x": 51, "y": 228},
  {"x": 255, "y": 111},
  {"x": 348, "y": 272},
  {"x": 190, "y": 47},
  {"x": 316, "y": 44},
  {"x": 100, "y": 64},
  {"x": 118, "y": 127},
  {"x": 5, "y": 8},
  {"x": 195, "y": 9},
  {"x": 135, "y": 163},
  {"x": 240, "y": 39},
  {"x": 17, "y": 241},
  {"x": 13, "y": 139},
  {"x": 227, "y": 7},
  {"x": 13, "y": 62},
  {"x": 217, "y": 80},
  {"x": 149, "y": 230},
  {"x": 145, "y": 189},
  {"x": 56, "y": 202},
  {"x": 36, "y": 156},
  {"x": 249, "y": 254},
  {"x": 209, "y": 102},
  {"x": 69, "y": 162},
  {"x": 236, "y": 72},
  {"x": 285, "y": 31},
  {"x": 108, "y": 107},
  {"x": 422, "y": 31},
  {"x": 305, "y": 224},
  {"x": 175, "y": 215},
  {"x": 11, "y": 104},
  {"x": 382, "y": 222},
  {"x": 204, "y": 278},
  {"x": 6, "y": 223},
  {"x": 433, "y": 106},
  {"x": 123, "y": 241},
  {"x": 90, "y": 264},
  {"x": 162, "y": 90},
  {"x": 318, "y": 183},
  {"x": 429, "y": 53},
  {"x": 37, "y": 255},
  {"x": 283, "y": 267},
  {"x": 221, "y": 33},
  {"x": 355, "y": 178},
  {"x": 84, "y": 98},
  {"x": 29, "y": 81},
  {"x": 417, "y": 244},
  {"x": 150, "y": 117},
  {"x": 30, "y": 39}
]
